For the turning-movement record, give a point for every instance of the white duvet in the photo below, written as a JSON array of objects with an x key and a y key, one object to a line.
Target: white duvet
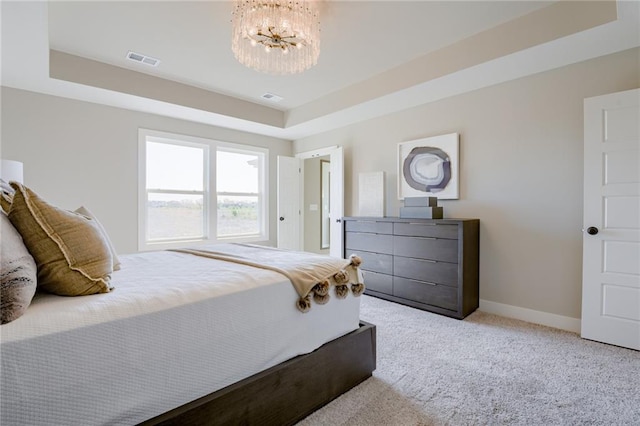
[{"x": 176, "y": 327}]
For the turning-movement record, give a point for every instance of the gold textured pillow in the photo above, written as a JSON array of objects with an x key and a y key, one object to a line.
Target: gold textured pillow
[{"x": 72, "y": 256}]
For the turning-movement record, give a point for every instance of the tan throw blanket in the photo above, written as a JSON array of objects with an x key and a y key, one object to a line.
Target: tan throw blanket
[{"x": 311, "y": 274}]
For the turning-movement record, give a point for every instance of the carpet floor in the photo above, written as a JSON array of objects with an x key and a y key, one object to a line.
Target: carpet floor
[{"x": 485, "y": 370}]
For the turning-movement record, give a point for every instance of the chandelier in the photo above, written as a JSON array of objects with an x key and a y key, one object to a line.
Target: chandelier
[{"x": 276, "y": 36}]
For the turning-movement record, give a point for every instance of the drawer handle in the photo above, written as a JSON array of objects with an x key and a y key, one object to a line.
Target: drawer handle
[
  {"x": 422, "y": 282},
  {"x": 423, "y": 224},
  {"x": 425, "y": 260},
  {"x": 426, "y": 238}
]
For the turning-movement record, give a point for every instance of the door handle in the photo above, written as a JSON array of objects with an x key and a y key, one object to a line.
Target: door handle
[
  {"x": 338, "y": 220},
  {"x": 281, "y": 218},
  {"x": 592, "y": 230}
]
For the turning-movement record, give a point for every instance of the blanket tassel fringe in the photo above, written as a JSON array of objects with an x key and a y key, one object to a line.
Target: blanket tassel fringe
[{"x": 321, "y": 290}]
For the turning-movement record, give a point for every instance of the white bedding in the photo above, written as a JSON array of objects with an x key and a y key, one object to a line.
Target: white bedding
[{"x": 176, "y": 327}]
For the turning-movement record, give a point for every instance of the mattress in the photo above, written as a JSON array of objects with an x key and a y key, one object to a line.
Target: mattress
[{"x": 176, "y": 327}]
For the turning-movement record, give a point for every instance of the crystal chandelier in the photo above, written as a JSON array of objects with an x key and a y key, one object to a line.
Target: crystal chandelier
[{"x": 276, "y": 36}]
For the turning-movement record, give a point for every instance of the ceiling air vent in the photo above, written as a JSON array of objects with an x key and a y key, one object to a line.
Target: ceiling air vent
[
  {"x": 271, "y": 97},
  {"x": 144, "y": 59}
]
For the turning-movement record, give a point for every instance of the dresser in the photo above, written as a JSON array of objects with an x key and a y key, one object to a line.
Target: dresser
[{"x": 430, "y": 264}]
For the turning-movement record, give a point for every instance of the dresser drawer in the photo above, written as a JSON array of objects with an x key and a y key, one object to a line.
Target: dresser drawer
[
  {"x": 426, "y": 248},
  {"x": 378, "y": 282},
  {"x": 431, "y": 294},
  {"x": 376, "y": 262},
  {"x": 426, "y": 229},
  {"x": 378, "y": 243},
  {"x": 426, "y": 270},
  {"x": 369, "y": 226}
]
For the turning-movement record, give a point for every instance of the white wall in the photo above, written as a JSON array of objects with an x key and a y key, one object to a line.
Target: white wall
[
  {"x": 78, "y": 153},
  {"x": 521, "y": 150},
  {"x": 521, "y": 167}
]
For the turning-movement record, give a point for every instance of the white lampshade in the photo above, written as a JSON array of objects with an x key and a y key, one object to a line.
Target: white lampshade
[{"x": 11, "y": 171}]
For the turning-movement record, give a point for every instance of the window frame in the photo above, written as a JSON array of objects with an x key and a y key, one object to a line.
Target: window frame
[
  {"x": 210, "y": 192},
  {"x": 262, "y": 195}
]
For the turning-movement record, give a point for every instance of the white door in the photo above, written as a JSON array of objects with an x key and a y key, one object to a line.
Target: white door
[
  {"x": 288, "y": 203},
  {"x": 336, "y": 203},
  {"x": 611, "y": 241}
]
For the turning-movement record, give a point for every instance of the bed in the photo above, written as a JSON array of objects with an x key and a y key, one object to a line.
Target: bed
[
  {"x": 218, "y": 334},
  {"x": 183, "y": 339}
]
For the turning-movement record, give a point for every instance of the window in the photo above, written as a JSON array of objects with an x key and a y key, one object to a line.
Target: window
[
  {"x": 238, "y": 192},
  {"x": 195, "y": 190},
  {"x": 176, "y": 191}
]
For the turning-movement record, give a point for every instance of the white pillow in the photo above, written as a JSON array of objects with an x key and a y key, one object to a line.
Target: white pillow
[
  {"x": 86, "y": 212},
  {"x": 18, "y": 273}
]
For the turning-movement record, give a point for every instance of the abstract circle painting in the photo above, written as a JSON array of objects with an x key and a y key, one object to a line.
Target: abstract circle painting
[{"x": 427, "y": 169}]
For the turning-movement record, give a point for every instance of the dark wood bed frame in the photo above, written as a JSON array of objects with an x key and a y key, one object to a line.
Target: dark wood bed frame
[{"x": 288, "y": 392}]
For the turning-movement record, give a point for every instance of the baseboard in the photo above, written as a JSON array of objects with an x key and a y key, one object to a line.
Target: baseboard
[{"x": 529, "y": 315}]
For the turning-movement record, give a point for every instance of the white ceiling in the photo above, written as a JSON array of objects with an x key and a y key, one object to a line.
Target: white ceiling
[
  {"x": 376, "y": 57},
  {"x": 193, "y": 39}
]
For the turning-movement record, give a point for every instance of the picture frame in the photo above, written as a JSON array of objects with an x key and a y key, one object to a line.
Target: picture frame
[{"x": 429, "y": 167}]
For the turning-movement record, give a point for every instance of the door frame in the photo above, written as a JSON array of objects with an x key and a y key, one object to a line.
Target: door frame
[{"x": 331, "y": 151}]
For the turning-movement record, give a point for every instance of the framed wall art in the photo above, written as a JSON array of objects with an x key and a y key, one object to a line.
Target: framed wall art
[{"x": 429, "y": 167}]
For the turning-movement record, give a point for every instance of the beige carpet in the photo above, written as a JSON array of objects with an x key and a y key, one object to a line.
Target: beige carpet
[{"x": 485, "y": 370}]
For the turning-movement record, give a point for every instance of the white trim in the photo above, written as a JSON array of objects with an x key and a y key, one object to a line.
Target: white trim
[
  {"x": 142, "y": 188},
  {"x": 316, "y": 153},
  {"x": 530, "y": 315}
]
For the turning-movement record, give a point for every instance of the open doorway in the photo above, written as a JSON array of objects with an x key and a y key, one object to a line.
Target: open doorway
[
  {"x": 317, "y": 204},
  {"x": 287, "y": 195}
]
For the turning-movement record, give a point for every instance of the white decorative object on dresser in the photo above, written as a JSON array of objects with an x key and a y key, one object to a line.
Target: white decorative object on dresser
[{"x": 371, "y": 194}]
